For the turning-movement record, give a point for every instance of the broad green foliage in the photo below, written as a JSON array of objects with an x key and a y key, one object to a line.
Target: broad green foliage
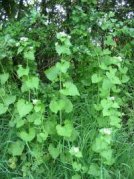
[
  {"x": 24, "y": 107},
  {"x": 41, "y": 137},
  {"x": 96, "y": 78},
  {"x": 76, "y": 177},
  {"x": 30, "y": 83},
  {"x": 27, "y": 136},
  {"x": 62, "y": 104},
  {"x": 3, "y": 108},
  {"x": 4, "y": 78},
  {"x": 65, "y": 130},
  {"x": 52, "y": 73},
  {"x": 66, "y": 90},
  {"x": 109, "y": 107},
  {"x": 69, "y": 89},
  {"x": 22, "y": 71},
  {"x": 9, "y": 99},
  {"x": 54, "y": 151},
  {"x": 16, "y": 148}
]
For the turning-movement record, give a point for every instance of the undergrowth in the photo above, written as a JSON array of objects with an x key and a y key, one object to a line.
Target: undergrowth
[{"x": 66, "y": 104}]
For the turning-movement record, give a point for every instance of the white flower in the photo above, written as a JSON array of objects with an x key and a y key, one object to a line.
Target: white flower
[
  {"x": 46, "y": 22},
  {"x": 31, "y": 2},
  {"x": 35, "y": 101},
  {"x": 97, "y": 44},
  {"x": 69, "y": 36},
  {"x": 62, "y": 33},
  {"x": 100, "y": 23},
  {"x": 74, "y": 150},
  {"x": 56, "y": 43},
  {"x": 119, "y": 58},
  {"x": 17, "y": 44},
  {"x": 112, "y": 98},
  {"x": 24, "y": 39},
  {"x": 106, "y": 131},
  {"x": 89, "y": 29},
  {"x": 31, "y": 48}
]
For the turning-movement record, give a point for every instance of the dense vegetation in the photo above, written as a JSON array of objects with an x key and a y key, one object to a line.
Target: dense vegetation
[{"x": 66, "y": 89}]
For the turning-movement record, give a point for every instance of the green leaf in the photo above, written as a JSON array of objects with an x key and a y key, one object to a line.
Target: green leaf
[
  {"x": 50, "y": 126},
  {"x": 63, "y": 49},
  {"x": 110, "y": 41},
  {"x": 61, "y": 104},
  {"x": 39, "y": 107},
  {"x": 41, "y": 137},
  {"x": 112, "y": 76},
  {"x": 76, "y": 166},
  {"x": 9, "y": 100},
  {"x": 27, "y": 136},
  {"x": 106, "y": 105},
  {"x": 76, "y": 176},
  {"x": 22, "y": 71},
  {"x": 20, "y": 123},
  {"x": 106, "y": 52},
  {"x": 2, "y": 92},
  {"x": 115, "y": 105},
  {"x": 65, "y": 157},
  {"x": 56, "y": 106},
  {"x": 34, "y": 117},
  {"x": 3, "y": 78},
  {"x": 115, "y": 121},
  {"x": 125, "y": 79},
  {"x": 54, "y": 151},
  {"x": 107, "y": 155},
  {"x": 37, "y": 152},
  {"x": 106, "y": 85},
  {"x": 38, "y": 121},
  {"x": 29, "y": 55},
  {"x": 66, "y": 130},
  {"x": 94, "y": 170},
  {"x": 30, "y": 83},
  {"x": 63, "y": 66},
  {"x": 101, "y": 143},
  {"x": 94, "y": 1},
  {"x": 52, "y": 73},
  {"x": 115, "y": 89},
  {"x": 123, "y": 70},
  {"x": 68, "y": 107},
  {"x": 3, "y": 109},
  {"x": 69, "y": 89},
  {"x": 74, "y": 136},
  {"x": 16, "y": 148},
  {"x": 24, "y": 107},
  {"x": 96, "y": 78}
]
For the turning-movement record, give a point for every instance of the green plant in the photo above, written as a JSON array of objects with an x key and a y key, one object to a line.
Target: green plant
[{"x": 66, "y": 90}]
